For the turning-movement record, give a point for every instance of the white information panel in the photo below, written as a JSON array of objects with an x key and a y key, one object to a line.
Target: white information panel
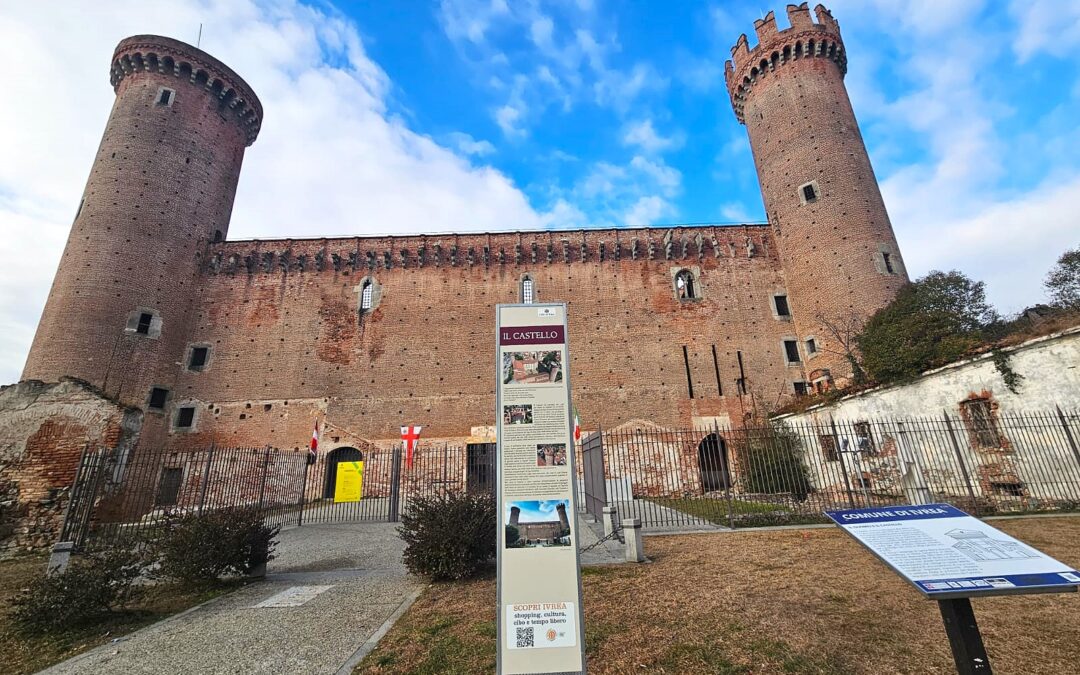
[
  {"x": 541, "y": 626},
  {"x": 946, "y": 553}
]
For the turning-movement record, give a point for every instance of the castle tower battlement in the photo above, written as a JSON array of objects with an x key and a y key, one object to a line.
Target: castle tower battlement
[
  {"x": 154, "y": 53},
  {"x": 776, "y": 48},
  {"x": 160, "y": 192},
  {"x": 835, "y": 241}
]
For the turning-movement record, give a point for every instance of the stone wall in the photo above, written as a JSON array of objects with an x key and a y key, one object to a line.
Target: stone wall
[
  {"x": 289, "y": 341},
  {"x": 1012, "y": 444},
  {"x": 43, "y": 430}
]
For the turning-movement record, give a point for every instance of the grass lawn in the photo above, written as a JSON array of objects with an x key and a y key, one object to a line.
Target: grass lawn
[
  {"x": 21, "y": 653},
  {"x": 790, "y": 601},
  {"x": 747, "y": 514}
]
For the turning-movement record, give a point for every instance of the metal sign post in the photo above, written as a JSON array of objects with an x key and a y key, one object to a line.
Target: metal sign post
[
  {"x": 540, "y": 619},
  {"x": 951, "y": 557}
]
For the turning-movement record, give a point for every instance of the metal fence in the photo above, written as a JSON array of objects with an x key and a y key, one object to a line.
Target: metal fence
[
  {"x": 789, "y": 472},
  {"x": 117, "y": 496}
]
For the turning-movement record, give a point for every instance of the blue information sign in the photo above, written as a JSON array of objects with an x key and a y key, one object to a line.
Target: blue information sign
[{"x": 946, "y": 553}]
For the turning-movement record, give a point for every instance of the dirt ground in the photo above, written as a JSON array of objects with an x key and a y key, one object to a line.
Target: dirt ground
[
  {"x": 28, "y": 653},
  {"x": 795, "y": 601}
]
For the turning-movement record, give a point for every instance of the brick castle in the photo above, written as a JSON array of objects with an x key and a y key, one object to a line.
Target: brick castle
[{"x": 194, "y": 339}]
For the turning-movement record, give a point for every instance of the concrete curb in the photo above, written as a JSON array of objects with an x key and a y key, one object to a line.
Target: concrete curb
[{"x": 370, "y": 644}]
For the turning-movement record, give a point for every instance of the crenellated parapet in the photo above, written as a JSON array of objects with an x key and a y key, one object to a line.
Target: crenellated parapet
[
  {"x": 154, "y": 53},
  {"x": 677, "y": 245},
  {"x": 804, "y": 39}
]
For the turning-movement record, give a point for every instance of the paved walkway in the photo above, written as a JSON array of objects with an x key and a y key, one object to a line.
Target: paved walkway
[
  {"x": 353, "y": 572},
  {"x": 349, "y": 581}
]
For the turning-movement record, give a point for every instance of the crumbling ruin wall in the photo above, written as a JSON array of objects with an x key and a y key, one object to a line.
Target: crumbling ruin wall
[{"x": 43, "y": 430}]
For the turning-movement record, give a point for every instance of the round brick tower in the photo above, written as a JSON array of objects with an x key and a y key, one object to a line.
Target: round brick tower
[
  {"x": 161, "y": 188},
  {"x": 836, "y": 244}
]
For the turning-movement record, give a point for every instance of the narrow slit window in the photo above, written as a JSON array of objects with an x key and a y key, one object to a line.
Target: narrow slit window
[
  {"x": 685, "y": 288},
  {"x": 165, "y": 97},
  {"x": 366, "y": 297},
  {"x": 143, "y": 327},
  {"x": 887, "y": 257},
  {"x": 198, "y": 357},
  {"x": 158, "y": 396},
  {"x": 781, "y": 304},
  {"x": 185, "y": 417},
  {"x": 527, "y": 290},
  {"x": 689, "y": 380},
  {"x": 791, "y": 351}
]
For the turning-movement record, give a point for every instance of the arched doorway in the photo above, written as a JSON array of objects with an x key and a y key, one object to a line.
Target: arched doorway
[
  {"x": 344, "y": 454},
  {"x": 713, "y": 463}
]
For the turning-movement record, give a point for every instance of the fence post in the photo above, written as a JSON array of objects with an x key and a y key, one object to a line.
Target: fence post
[
  {"x": 266, "y": 471},
  {"x": 916, "y": 490},
  {"x": 1068, "y": 434},
  {"x": 206, "y": 479},
  {"x": 843, "y": 465},
  {"x": 303, "y": 493},
  {"x": 395, "y": 485},
  {"x": 960, "y": 460},
  {"x": 725, "y": 472}
]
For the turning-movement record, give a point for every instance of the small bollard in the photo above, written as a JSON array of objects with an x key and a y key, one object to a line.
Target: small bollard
[
  {"x": 58, "y": 559},
  {"x": 635, "y": 550},
  {"x": 609, "y": 520}
]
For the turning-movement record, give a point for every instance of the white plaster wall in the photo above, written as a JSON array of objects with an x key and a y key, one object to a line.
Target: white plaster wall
[{"x": 1037, "y": 453}]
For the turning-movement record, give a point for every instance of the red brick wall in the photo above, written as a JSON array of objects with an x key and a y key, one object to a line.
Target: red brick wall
[
  {"x": 43, "y": 430},
  {"x": 802, "y": 128},
  {"x": 162, "y": 183},
  {"x": 288, "y": 342}
]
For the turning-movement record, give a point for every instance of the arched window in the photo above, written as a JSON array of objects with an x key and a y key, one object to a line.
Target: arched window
[
  {"x": 527, "y": 295},
  {"x": 685, "y": 289},
  {"x": 365, "y": 297}
]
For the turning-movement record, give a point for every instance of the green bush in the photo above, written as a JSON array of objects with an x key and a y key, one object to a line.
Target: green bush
[
  {"x": 198, "y": 550},
  {"x": 91, "y": 586},
  {"x": 771, "y": 461},
  {"x": 449, "y": 537}
]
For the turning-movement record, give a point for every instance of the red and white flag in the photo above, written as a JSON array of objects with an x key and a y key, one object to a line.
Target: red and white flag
[
  {"x": 409, "y": 436},
  {"x": 314, "y": 448}
]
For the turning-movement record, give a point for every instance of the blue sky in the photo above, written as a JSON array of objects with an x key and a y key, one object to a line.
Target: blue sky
[
  {"x": 463, "y": 115},
  {"x": 536, "y": 511}
]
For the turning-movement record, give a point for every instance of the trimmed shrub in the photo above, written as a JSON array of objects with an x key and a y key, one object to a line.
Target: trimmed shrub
[
  {"x": 91, "y": 586},
  {"x": 449, "y": 537},
  {"x": 771, "y": 461},
  {"x": 198, "y": 550}
]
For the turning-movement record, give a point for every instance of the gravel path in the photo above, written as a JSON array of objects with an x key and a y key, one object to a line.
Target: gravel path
[{"x": 361, "y": 565}]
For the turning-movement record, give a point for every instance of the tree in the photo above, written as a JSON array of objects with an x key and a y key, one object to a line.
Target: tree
[
  {"x": 933, "y": 321},
  {"x": 844, "y": 330},
  {"x": 1063, "y": 281}
]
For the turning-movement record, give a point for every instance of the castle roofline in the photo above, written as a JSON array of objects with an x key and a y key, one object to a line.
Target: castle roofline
[
  {"x": 168, "y": 55},
  {"x": 525, "y": 232}
]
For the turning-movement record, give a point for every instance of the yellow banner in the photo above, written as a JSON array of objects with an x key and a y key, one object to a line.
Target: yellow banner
[{"x": 350, "y": 482}]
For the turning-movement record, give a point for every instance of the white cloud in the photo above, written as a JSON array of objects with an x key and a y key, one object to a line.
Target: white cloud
[
  {"x": 331, "y": 158},
  {"x": 470, "y": 19},
  {"x": 1050, "y": 26},
  {"x": 648, "y": 211},
  {"x": 1008, "y": 243},
  {"x": 507, "y": 117},
  {"x": 468, "y": 145},
  {"x": 669, "y": 180},
  {"x": 643, "y": 135}
]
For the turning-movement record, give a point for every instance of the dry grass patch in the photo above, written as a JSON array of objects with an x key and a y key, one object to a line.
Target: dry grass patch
[
  {"x": 791, "y": 601},
  {"x": 21, "y": 653}
]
